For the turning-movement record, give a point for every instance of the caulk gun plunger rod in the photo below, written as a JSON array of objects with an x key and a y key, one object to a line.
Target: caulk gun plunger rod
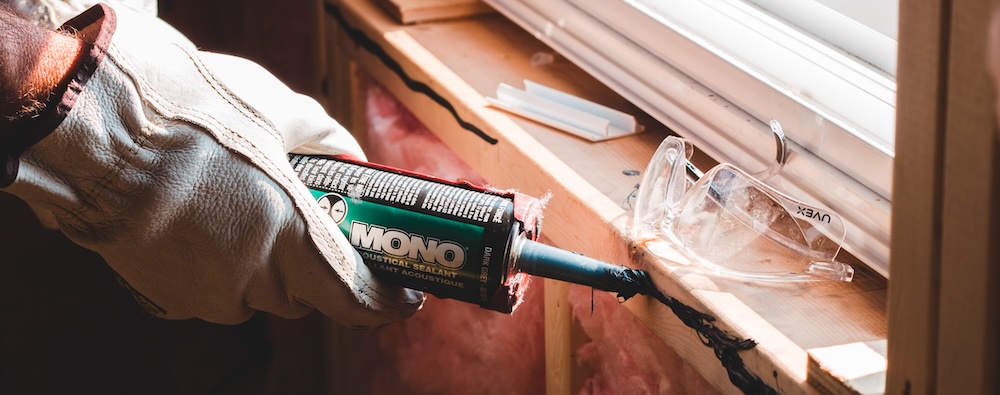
[{"x": 541, "y": 260}]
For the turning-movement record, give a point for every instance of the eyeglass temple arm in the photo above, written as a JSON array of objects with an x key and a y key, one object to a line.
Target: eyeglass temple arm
[{"x": 780, "y": 157}]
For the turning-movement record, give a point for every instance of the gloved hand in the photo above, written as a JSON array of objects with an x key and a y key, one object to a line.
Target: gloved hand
[
  {"x": 52, "y": 13},
  {"x": 172, "y": 165}
]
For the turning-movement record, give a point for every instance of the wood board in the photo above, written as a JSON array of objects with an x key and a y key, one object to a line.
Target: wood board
[
  {"x": 420, "y": 11},
  {"x": 944, "y": 317}
]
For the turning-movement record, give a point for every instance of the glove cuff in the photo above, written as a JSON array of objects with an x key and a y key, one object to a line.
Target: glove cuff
[{"x": 95, "y": 28}]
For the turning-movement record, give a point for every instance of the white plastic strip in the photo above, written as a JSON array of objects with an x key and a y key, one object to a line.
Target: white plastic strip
[{"x": 565, "y": 112}]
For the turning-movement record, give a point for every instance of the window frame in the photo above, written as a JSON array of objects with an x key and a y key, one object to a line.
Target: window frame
[{"x": 724, "y": 108}]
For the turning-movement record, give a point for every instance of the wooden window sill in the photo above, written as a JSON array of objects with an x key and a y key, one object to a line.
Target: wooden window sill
[{"x": 816, "y": 337}]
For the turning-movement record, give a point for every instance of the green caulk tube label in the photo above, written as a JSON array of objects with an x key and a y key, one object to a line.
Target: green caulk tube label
[{"x": 450, "y": 240}]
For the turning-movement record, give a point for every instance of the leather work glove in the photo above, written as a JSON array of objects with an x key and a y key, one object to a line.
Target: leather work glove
[
  {"x": 52, "y": 13},
  {"x": 171, "y": 163}
]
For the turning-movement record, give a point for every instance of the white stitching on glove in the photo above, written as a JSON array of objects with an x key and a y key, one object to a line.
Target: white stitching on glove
[{"x": 173, "y": 166}]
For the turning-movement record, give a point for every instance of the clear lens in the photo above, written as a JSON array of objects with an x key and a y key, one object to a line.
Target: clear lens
[
  {"x": 733, "y": 224},
  {"x": 663, "y": 184}
]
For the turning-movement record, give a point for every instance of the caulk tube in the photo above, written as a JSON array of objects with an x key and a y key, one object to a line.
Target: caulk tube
[
  {"x": 449, "y": 239},
  {"x": 452, "y": 240}
]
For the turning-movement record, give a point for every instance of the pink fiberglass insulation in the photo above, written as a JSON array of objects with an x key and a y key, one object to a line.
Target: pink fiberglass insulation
[
  {"x": 396, "y": 138},
  {"x": 452, "y": 347},
  {"x": 624, "y": 355}
]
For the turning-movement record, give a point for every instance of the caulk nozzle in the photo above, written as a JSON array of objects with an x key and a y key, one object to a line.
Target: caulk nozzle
[{"x": 541, "y": 260}]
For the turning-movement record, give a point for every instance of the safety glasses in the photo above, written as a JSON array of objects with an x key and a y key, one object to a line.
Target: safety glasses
[{"x": 731, "y": 224}]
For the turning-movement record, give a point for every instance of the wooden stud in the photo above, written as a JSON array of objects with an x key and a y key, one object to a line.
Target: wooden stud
[
  {"x": 967, "y": 361},
  {"x": 558, "y": 341},
  {"x": 943, "y": 314},
  {"x": 915, "y": 247}
]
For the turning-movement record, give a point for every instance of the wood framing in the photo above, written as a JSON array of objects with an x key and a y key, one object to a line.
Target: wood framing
[
  {"x": 558, "y": 340},
  {"x": 967, "y": 312},
  {"x": 943, "y": 310},
  {"x": 968, "y": 309},
  {"x": 417, "y": 11},
  {"x": 917, "y": 185},
  {"x": 443, "y": 70}
]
